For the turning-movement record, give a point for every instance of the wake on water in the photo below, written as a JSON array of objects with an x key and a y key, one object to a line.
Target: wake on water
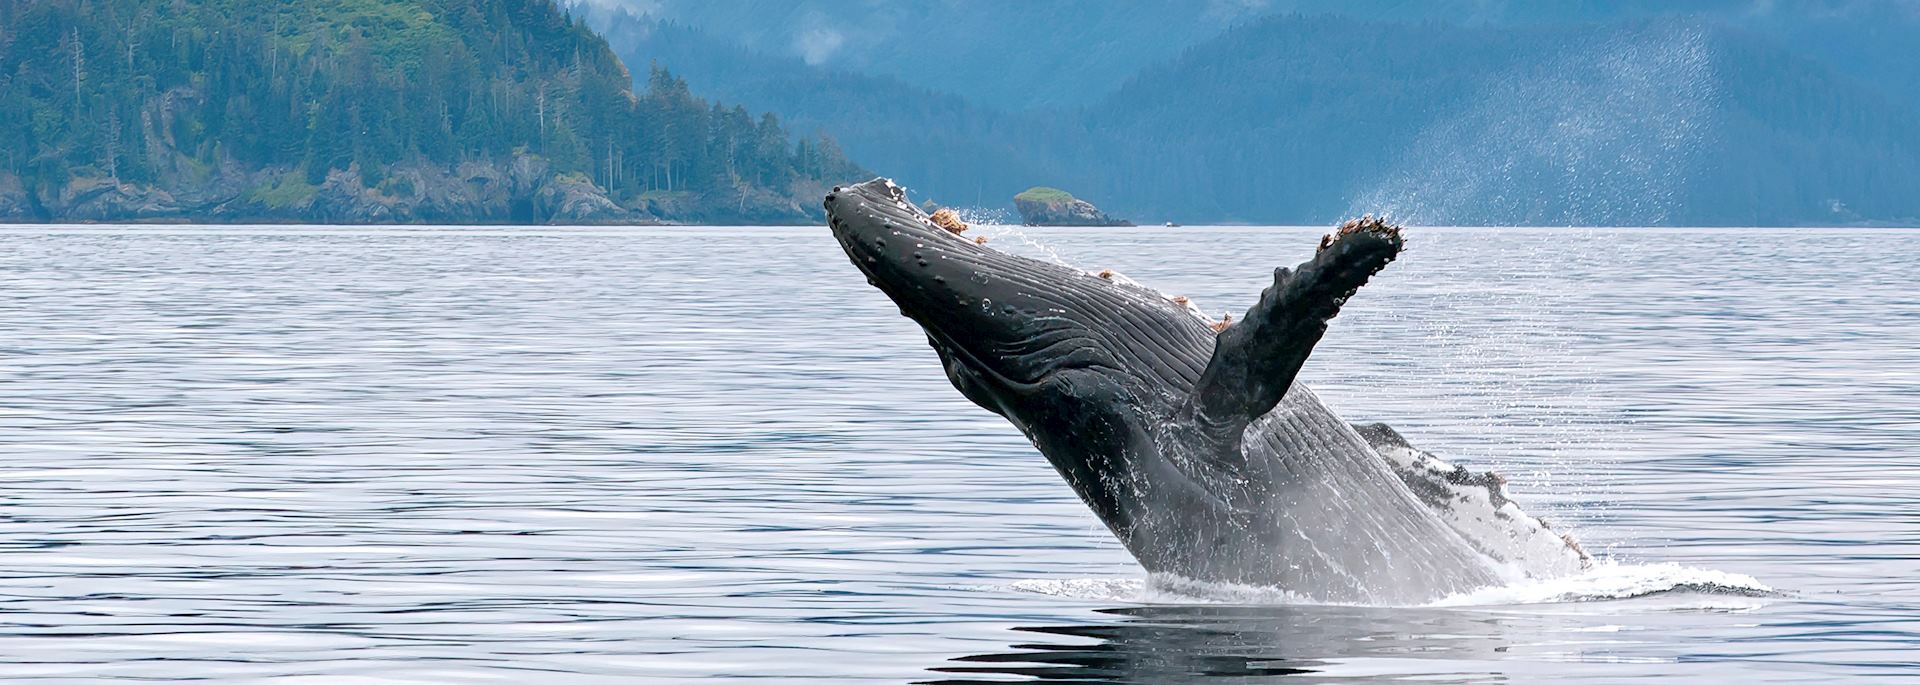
[{"x": 1606, "y": 580}]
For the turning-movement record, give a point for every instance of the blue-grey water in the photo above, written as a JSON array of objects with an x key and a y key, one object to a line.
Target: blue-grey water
[{"x": 287, "y": 454}]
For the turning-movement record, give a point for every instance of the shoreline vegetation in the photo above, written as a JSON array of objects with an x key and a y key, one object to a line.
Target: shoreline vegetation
[{"x": 372, "y": 112}]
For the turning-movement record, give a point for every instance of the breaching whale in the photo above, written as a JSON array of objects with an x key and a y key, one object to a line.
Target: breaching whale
[{"x": 1190, "y": 441}]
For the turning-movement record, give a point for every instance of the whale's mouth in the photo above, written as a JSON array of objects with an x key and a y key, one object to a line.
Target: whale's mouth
[
  {"x": 887, "y": 237},
  {"x": 878, "y": 209},
  {"x": 949, "y": 231},
  {"x": 1008, "y": 317},
  {"x": 1012, "y": 320}
]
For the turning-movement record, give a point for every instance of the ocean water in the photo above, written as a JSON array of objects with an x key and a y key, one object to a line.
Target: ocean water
[{"x": 339, "y": 455}]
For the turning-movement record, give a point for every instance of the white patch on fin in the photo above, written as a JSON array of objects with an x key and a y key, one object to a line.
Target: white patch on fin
[{"x": 1476, "y": 506}]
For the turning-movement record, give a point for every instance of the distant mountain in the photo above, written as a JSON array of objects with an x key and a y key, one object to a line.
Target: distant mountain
[
  {"x": 1662, "y": 121},
  {"x": 1003, "y": 54},
  {"x": 1481, "y": 111},
  {"x": 1035, "y": 54},
  {"x": 1868, "y": 40},
  {"x": 930, "y": 139},
  {"x": 370, "y": 111}
]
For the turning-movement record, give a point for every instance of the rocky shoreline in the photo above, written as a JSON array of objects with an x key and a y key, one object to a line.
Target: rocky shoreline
[{"x": 524, "y": 190}]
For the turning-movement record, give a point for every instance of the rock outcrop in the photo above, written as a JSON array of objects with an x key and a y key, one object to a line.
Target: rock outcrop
[{"x": 1041, "y": 206}]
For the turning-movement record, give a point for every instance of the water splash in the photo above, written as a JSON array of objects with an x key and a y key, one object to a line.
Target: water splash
[
  {"x": 1605, "y": 581},
  {"x": 1518, "y": 388},
  {"x": 1015, "y": 240},
  {"x": 1611, "y": 580},
  {"x": 986, "y": 216},
  {"x": 1602, "y": 136}
]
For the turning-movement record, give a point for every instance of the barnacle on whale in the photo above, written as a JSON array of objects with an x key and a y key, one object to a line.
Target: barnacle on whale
[{"x": 950, "y": 220}]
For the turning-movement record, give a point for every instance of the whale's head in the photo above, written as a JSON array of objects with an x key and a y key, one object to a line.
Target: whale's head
[{"x": 1017, "y": 335}]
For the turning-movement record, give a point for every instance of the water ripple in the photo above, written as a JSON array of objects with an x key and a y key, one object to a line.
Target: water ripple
[{"x": 340, "y": 455}]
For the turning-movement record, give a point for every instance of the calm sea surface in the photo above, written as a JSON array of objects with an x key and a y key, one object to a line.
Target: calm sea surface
[{"x": 658, "y": 455}]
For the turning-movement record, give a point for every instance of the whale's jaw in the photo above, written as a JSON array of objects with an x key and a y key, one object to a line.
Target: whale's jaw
[{"x": 1004, "y": 320}]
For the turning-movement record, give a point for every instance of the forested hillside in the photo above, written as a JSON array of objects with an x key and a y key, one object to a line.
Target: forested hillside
[{"x": 369, "y": 111}]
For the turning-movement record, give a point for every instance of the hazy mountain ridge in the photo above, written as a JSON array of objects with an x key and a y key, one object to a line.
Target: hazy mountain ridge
[
  {"x": 1661, "y": 121},
  {"x": 927, "y": 138},
  {"x": 1004, "y": 54},
  {"x": 1512, "y": 115},
  {"x": 1022, "y": 55}
]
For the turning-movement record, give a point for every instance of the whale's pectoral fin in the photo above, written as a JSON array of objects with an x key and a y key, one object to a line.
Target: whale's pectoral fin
[
  {"x": 1256, "y": 358},
  {"x": 1476, "y": 506}
]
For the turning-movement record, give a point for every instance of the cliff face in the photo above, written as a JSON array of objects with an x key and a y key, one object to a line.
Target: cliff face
[{"x": 1054, "y": 207}]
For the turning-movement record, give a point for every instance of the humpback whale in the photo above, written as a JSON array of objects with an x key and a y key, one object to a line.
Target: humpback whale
[{"x": 1192, "y": 441}]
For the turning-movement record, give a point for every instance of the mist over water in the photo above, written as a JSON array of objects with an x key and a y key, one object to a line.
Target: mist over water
[
  {"x": 332, "y": 455},
  {"x": 1636, "y": 107}
]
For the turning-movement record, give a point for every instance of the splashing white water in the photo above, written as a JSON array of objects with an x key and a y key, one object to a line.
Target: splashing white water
[
  {"x": 1610, "y": 580},
  {"x": 1003, "y": 236},
  {"x": 982, "y": 216},
  {"x": 1605, "y": 581}
]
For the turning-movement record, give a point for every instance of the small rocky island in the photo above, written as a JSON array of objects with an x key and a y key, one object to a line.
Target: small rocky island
[{"x": 1043, "y": 206}]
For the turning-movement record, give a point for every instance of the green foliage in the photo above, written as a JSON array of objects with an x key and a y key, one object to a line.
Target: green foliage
[
  {"x": 1045, "y": 195},
  {"x": 144, "y": 91}
]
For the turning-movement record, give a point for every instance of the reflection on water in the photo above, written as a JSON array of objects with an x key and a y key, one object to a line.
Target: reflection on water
[
  {"x": 1187, "y": 643},
  {"x": 671, "y": 454},
  {"x": 1166, "y": 644},
  {"x": 1160, "y": 645}
]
